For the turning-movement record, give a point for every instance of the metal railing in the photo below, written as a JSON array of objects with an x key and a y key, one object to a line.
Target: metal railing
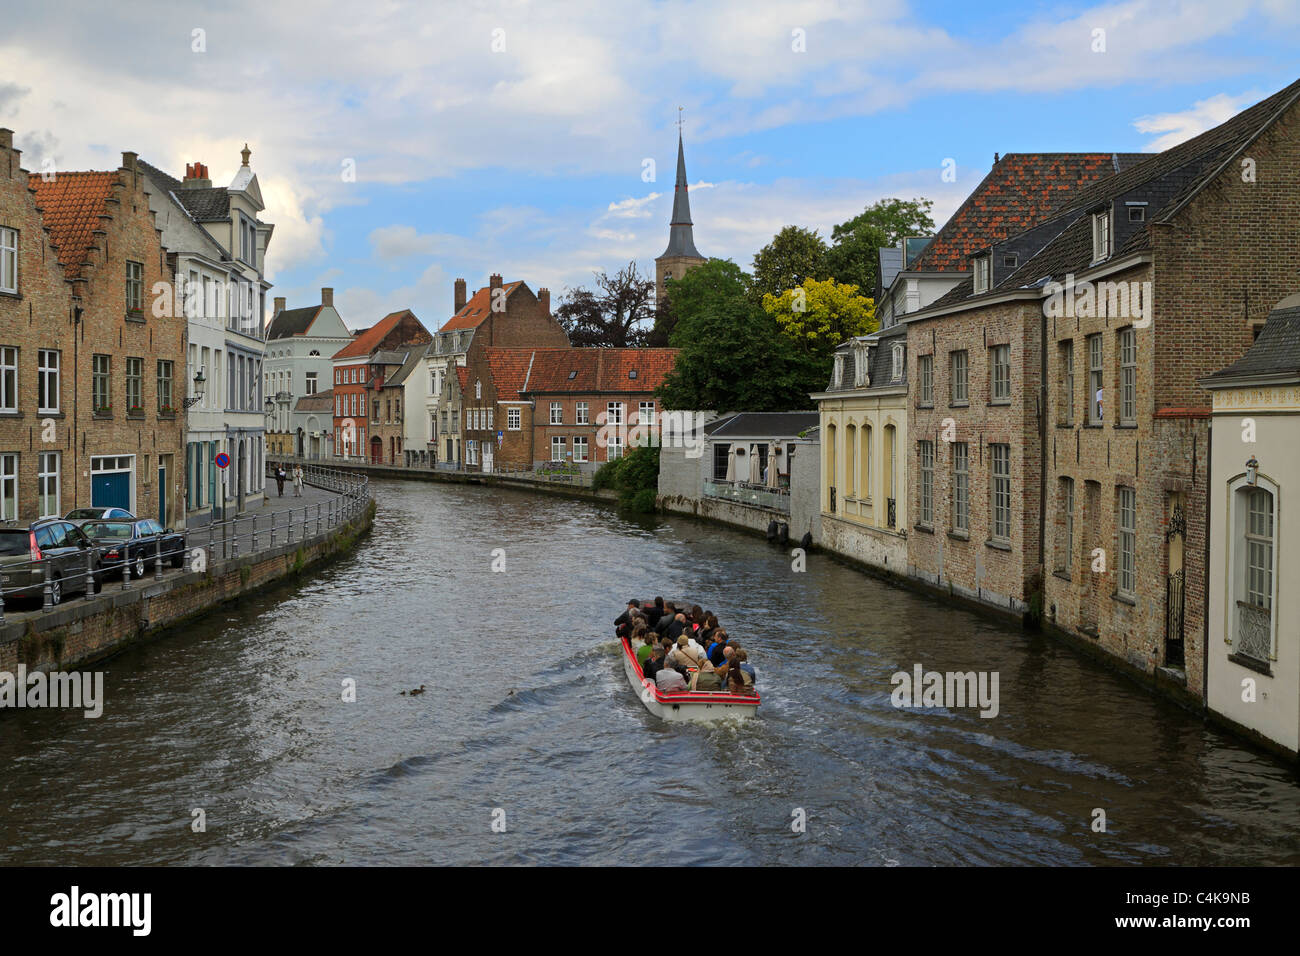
[
  {"x": 744, "y": 493},
  {"x": 87, "y": 569}
]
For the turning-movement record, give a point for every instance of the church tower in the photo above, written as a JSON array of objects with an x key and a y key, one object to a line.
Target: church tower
[{"x": 681, "y": 254}]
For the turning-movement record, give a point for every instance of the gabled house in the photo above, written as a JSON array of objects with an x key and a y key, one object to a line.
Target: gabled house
[
  {"x": 359, "y": 370},
  {"x": 300, "y": 344}
]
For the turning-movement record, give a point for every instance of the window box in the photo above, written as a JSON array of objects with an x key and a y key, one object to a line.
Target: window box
[
  {"x": 135, "y": 413},
  {"x": 135, "y": 315},
  {"x": 104, "y": 411}
]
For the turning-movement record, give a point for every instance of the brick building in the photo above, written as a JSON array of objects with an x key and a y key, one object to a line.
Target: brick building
[
  {"x": 357, "y": 380},
  {"x": 92, "y": 363}
]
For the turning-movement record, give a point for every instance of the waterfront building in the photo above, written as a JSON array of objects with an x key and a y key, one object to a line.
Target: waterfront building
[
  {"x": 91, "y": 352},
  {"x": 864, "y": 432},
  {"x": 681, "y": 255},
  {"x": 358, "y": 375},
  {"x": 218, "y": 243},
  {"x": 501, "y": 314},
  {"x": 389, "y": 373},
  {"x": 1253, "y": 646},
  {"x": 300, "y": 345},
  {"x": 314, "y": 415}
]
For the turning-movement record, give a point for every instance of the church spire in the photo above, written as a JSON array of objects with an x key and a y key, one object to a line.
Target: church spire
[{"x": 681, "y": 242}]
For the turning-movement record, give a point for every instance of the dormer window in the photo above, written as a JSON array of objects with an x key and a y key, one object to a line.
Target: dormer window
[
  {"x": 838, "y": 377},
  {"x": 1100, "y": 236},
  {"x": 1010, "y": 262},
  {"x": 631, "y": 373},
  {"x": 573, "y": 375},
  {"x": 896, "y": 372},
  {"x": 1137, "y": 212},
  {"x": 983, "y": 266},
  {"x": 861, "y": 374}
]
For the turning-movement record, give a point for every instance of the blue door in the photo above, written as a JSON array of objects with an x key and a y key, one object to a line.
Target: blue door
[{"x": 110, "y": 490}]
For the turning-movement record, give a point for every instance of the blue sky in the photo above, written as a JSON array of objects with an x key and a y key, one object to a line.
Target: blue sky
[{"x": 512, "y": 137}]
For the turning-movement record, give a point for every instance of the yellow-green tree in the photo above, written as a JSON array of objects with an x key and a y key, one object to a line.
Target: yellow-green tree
[{"x": 820, "y": 314}]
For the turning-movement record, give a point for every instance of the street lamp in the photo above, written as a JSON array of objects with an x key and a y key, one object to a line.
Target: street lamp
[
  {"x": 1252, "y": 470},
  {"x": 200, "y": 384}
]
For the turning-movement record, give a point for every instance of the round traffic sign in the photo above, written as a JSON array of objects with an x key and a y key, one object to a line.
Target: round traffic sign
[{"x": 222, "y": 460}]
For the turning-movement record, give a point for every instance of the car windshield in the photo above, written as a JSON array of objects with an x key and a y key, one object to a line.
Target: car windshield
[
  {"x": 14, "y": 541},
  {"x": 119, "y": 530}
]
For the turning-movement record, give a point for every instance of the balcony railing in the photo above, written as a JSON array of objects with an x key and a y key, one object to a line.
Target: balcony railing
[
  {"x": 1254, "y": 632},
  {"x": 744, "y": 493}
]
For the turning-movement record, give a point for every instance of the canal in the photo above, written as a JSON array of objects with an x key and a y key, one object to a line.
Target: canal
[{"x": 527, "y": 719}]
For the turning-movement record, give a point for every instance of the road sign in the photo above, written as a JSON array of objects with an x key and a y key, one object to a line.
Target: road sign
[
  {"x": 501, "y": 436},
  {"x": 222, "y": 460}
]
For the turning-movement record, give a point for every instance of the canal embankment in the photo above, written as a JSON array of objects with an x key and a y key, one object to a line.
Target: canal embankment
[{"x": 224, "y": 562}]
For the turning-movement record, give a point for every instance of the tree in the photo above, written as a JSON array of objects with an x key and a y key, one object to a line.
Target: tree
[
  {"x": 852, "y": 257},
  {"x": 615, "y": 315},
  {"x": 818, "y": 316},
  {"x": 792, "y": 257},
  {"x": 733, "y": 355}
]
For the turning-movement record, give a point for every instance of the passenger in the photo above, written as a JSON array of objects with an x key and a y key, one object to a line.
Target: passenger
[
  {"x": 710, "y": 625},
  {"x": 669, "y": 680},
  {"x": 736, "y": 682},
  {"x": 676, "y": 626},
  {"x": 716, "y": 648},
  {"x": 654, "y": 663},
  {"x": 670, "y": 611},
  {"x": 654, "y": 612},
  {"x": 746, "y": 668},
  {"x": 706, "y": 678},
  {"x": 686, "y": 654},
  {"x": 623, "y": 620}
]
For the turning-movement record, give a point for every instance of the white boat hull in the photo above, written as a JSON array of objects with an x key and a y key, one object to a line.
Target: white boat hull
[{"x": 687, "y": 706}]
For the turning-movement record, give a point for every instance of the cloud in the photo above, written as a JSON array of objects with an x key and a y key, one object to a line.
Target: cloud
[
  {"x": 1181, "y": 126},
  {"x": 391, "y": 244}
]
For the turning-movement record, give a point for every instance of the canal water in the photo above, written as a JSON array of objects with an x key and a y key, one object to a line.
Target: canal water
[{"x": 527, "y": 721}]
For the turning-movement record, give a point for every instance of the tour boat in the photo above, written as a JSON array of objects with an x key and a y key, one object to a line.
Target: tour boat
[{"x": 694, "y": 706}]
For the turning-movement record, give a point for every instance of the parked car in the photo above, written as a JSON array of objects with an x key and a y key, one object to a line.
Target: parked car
[
  {"x": 25, "y": 551},
  {"x": 133, "y": 544},
  {"x": 79, "y": 516}
]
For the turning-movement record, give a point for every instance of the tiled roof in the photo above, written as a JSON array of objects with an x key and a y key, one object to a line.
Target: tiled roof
[
  {"x": 770, "y": 424},
  {"x": 367, "y": 341},
  {"x": 71, "y": 204},
  {"x": 206, "y": 204},
  {"x": 509, "y": 369},
  {"x": 599, "y": 370},
  {"x": 1020, "y": 190},
  {"x": 289, "y": 322},
  {"x": 462, "y": 376},
  {"x": 320, "y": 402},
  {"x": 475, "y": 311},
  {"x": 1276, "y": 353}
]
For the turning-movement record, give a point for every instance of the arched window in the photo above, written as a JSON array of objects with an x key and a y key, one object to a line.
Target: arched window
[
  {"x": 1254, "y": 528},
  {"x": 864, "y": 457},
  {"x": 850, "y": 463},
  {"x": 478, "y": 389},
  {"x": 830, "y": 466},
  {"x": 313, "y": 352}
]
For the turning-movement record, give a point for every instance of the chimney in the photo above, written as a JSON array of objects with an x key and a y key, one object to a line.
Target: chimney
[
  {"x": 544, "y": 297},
  {"x": 279, "y": 305},
  {"x": 6, "y": 138},
  {"x": 495, "y": 280},
  {"x": 196, "y": 176},
  {"x": 327, "y": 297},
  {"x": 460, "y": 295}
]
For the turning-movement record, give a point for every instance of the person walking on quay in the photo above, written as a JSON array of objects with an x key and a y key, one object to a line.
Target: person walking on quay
[
  {"x": 279, "y": 479},
  {"x": 297, "y": 481}
]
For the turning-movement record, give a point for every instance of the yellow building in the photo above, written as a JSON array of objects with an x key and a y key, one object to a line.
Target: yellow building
[{"x": 863, "y": 416}]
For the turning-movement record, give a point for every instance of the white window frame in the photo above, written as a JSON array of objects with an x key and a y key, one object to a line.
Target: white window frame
[
  {"x": 926, "y": 465},
  {"x": 961, "y": 487},
  {"x": 8, "y": 378},
  {"x": 1126, "y": 541},
  {"x": 646, "y": 413},
  {"x": 311, "y": 383},
  {"x": 1101, "y": 236},
  {"x": 1000, "y": 377},
  {"x": 1127, "y": 376},
  {"x": 559, "y": 445},
  {"x": 959, "y": 359},
  {"x": 8, "y": 260},
  {"x": 896, "y": 372},
  {"x": 1096, "y": 379},
  {"x": 8, "y": 487},
  {"x": 580, "y": 448},
  {"x": 1000, "y": 492},
  {"x": 47, "y": 503},
  {"x": 1067, "y": 382},
  {"x": 925, "y": 375},
  {"x": 983, "y": 267},
  {"x": 514, "y": 418},
  {"x": 557, "y": 414},
  {"x": 614, "y": 413},
  {"x": 44, "y": 372},
  {"x": 583, "y": 414}
]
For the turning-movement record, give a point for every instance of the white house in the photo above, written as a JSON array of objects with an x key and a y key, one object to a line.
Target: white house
[{"x": 299, "y": 344}]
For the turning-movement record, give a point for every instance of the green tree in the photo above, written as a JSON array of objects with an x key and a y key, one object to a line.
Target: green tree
[
  {"x": 794, "y": 256},
  {"x": 733, "y": 355},
  {"x": 635, "y": 476},
  {"x": 818, "y": 316},
  {"x": 852, "y": 257}
]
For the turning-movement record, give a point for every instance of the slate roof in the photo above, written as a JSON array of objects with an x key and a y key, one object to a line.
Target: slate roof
[
  {"x": 1020, "y": 190},
  {"x": 413, "y": 358},
  {"x": 71, "y": 205},
  {"x": 476, "y": 310},
  {"x": 681, "y": 238},
  {"x": 1276, "y": 353},
  {"x": 320, "y": 402},
  {"x": 597, "y": 370},
  {"x": 289, "y": 322},
  {"x": 890, "y": 261},
  {"x": 766, "y": 424},
  {"x": 204, "y": 204}
]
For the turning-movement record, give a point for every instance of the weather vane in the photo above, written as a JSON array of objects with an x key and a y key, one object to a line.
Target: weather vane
[{"x": 679, "y": 118}]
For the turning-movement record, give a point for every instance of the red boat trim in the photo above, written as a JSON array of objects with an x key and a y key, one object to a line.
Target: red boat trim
[{"x": 687, "y": 697}]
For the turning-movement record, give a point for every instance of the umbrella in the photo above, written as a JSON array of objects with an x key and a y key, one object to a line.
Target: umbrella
[
  {"x": 755, "y": 477},
  {"x": 731, "y": 468},
  {"x": 772, "y": 466}
]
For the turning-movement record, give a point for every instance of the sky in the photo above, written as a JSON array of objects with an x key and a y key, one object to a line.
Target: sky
[{"x": 402, "y": 145}]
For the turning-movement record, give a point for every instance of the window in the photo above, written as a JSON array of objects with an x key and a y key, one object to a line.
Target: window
[
  {"x": 557, "y": 413},
  {"x": 1095, "y": 397},
  {"x": 983, "y": 267},
  {"x": 1100, "y": 236},
  {"x": 1127, "y": 577},
  {"x": 583, "y": 417},
  {"x": 1259, "y": 548},
  {"x": 478, "y": 389},
  {"x": 514, "y": 419},
  {"x": 1000, "y": 373},
  {"x": 47, "y": 381},
  {"x": 471, "y": 452},
  {"x": 165, "y": 386},
  {"x": 959, "y": 379},
  {"x": 927, "y": 481},
  {"x": 614, "y": 415},
  {"x": 8, "y": 379},
  {"x": 558, "y": 447},
  {"x": 896, "y": 372},
  {"x": 134, "y": 287},
  {"x": 647, "y": 413},
  {"x": 361, "y": 404},
  {"x": 8, "y": 487},
  {"x": 47, "y": 485},
  {"x": 1001, "y": 455},
  {"x": 925, "y": 372},
  {"x": 311, "y": 383},
  {"x": 1067, "y": 382},
  {"x": 1128, "y": 377},
  {"x": 338, "y": 406},
  {"x": 1065, "y": 527},
  {"x": 1137, "y": 213},
  {"x": 491, "y": 414},
  {"x": 961, "y": 487},
  {"x": 615, "y": 447},
  {"x": 9, "y": 260},
  {"x": 580, "y": 448}
]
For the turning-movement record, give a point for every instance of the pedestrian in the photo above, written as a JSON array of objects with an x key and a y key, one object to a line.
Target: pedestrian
[
  {"x": 279, "y": 479},
  {"x": 297, "y": 481}
]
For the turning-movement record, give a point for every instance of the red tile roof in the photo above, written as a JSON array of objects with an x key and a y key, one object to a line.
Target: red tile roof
[
  {"x": 509, "y": 369},
  {"x": 476, "y": 309},
  {"x": 1020, "y": 191},
  {"x": 367, "y": 341},
  {"x": 71, "y": 204},
  {"x": 462, "y": 375},
  {"x": 599, "y": 370}
]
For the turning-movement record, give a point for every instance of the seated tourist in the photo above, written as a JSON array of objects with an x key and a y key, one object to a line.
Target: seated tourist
[
  {"x": 706, "y": 678},
  {"x": 654, "y": 663},
  {"x": 687, "y": 653},
  {"x": 746, "y": 668},
  {"x": 717, "y": 647},
  {"x": 666, "y": 618},
  {"x": 676, "y": 625},
  {"x": 669, "y": 680},
  {"x": 736, "y": 682},
  {"x": 654, "y": 612},
  {"x": 623, "y": 620}
]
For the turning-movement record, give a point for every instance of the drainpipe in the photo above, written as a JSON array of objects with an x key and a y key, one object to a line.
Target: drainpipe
[
  {"x": 1205, "y": 568},
  {"x": 1042, "y": 453}
]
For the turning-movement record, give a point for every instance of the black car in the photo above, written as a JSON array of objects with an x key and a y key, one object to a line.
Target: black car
[{"x": 134, "y": 544}]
